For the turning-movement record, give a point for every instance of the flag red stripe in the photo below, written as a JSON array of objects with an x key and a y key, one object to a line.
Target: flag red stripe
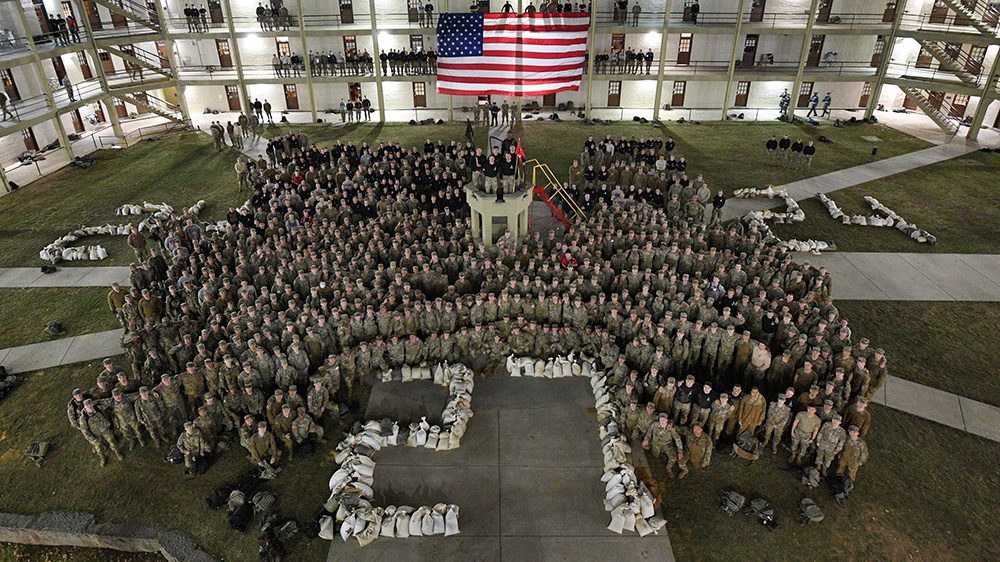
[
  {"x": 530, "y": 54},
  {"x": 554, "y": 28},
  {"x": 508, "y": 67},
  {"x": 536, "y": 15},
  {"x": 528, "y": 41},
  {"x": 507, "y": 81},
  {"x": 505, "y": 92}
]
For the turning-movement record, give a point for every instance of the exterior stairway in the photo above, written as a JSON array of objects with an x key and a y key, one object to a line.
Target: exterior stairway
[
  {"x": 947, "y": 123},
  {"x": 980, "y": 14},
  {"x": 133, "y": 11},
  {"x": 950, "y": 63},
  {"x": 156, "y": 105}
]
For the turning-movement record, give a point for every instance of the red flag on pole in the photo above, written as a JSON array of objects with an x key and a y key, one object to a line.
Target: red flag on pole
[{"x": 519, "y": 152}]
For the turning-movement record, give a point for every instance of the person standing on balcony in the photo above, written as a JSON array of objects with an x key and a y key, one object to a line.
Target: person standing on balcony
[
  {"x": 69, "y": 87},
  {"x": 428, "y": 15},
  {"x": 636, "y": 10},
  {"x": 695, "y": 10},
  {"x": 203, "y": 18},
  {"x": 267, "y": 111},
  {"x": 3, "y": 105},
  {"x": 258, "y": 109},
  {"x": 261, "y": 15},
  {"x": 74, "y": 28}
]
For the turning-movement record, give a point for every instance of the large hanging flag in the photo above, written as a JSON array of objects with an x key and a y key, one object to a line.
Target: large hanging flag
[{"x": 511, "y": 55}]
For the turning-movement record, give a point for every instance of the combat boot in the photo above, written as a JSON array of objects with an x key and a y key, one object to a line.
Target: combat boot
[
  {"x": 670, "y": 471},
  {"x": 100, "y": 458},
  {"x": 684, "y": 472},
  {"x": 142, "y": 442},
  {"x": 118, "y": 454}
]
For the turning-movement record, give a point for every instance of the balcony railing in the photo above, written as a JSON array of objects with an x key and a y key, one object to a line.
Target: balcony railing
[
  {"x": 954, "y": 23},
  {"x": 911, "y": 70}
]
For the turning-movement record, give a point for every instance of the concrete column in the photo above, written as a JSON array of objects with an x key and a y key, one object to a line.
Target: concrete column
[
  {"x": 116, "y": 124},
  {"x": 308, "y": 58},
  {"x": 732, "y": 59},
  {"x": 591, "y": 51},
  {"x": 523, "y": 225},
  {"x": 49, "y": 97},
  {"x": 663, "y": 55},
  {"x": 451, "y": 110},
  {"x": 487, "y": 230},
  {"x": 476, "y": 222},
  {"x": 376, "y": 65},
  {"x": 512, "y": 224},
  {"x": 4, "y": 184},
  {"x": 883, "y": 67},
  {"x": 803, "y": 56},
  {"x": 234, "y": 46},
  {"x": 989, "y": 94},
  {"x": 168, "y": 44}
]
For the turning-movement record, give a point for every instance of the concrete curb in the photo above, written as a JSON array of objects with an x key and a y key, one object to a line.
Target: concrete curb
[{"x": 63, "y": 528}]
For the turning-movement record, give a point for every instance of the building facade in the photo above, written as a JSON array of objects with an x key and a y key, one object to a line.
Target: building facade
[{"x": 72, "y": 65}]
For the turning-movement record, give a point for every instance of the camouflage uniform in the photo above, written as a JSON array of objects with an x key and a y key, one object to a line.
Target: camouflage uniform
[
  {"x": 97, "y": 429},
  {"x": 829, "y": 442},
  {"x": 193, "y": 445}
]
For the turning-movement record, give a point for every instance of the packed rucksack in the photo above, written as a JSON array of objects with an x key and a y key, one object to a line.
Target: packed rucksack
[
  {"x": 732, "y": 502},
  {"x": 747, "y": 447},
  {"x": 841, "y": 486},
  {"x": 762, "y": 511},
  {"x": 810, "y": 477},
  {"x": 810, "y": 512}
]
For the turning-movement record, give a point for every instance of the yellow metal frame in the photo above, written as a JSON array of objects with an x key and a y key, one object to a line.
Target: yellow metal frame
[{"x": 553, "y": 187}]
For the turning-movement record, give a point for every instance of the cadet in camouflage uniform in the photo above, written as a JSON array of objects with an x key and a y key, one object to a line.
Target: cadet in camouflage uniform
[
  {"x": 721, "y": 410},
  {"x": 126, "y": 422},
  {"x": 662, "y": 439},
  {"x": 304, "y": 426},
  {"x": 699, "y": 447},
  {"x": 804, "y": 430},
  {"x": 193, "y": 445},
  {"x": 774, "y": 425},
  {"x": 645, "y": 418},
  {"x": 853, "y": 455},
  {"x": 282, "y": 426},
  {"x": 263, "y": 448},
  {"x": 829, "y": 443},
  {"x": 75, "y": 407},
  {"x": 97, "y": 429},
  {"x": 150, "y": 412},
  {"x": 173, "y": 402}
]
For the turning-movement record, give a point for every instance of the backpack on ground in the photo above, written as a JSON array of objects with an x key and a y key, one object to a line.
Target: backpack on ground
[
  {"x": 762, "y": 511},
  {"x": 810, "y": 512},
  {"x": 732, "y": 502},
  {"x": 174, "y": 456},
  {"x": 747, "y": 447},
  {"x": 37, "y": 451},
  {"x": 218, "y": 498},
  {"x": 263, "y": 503},
  {"x": 810, "y": 477},
  {"x": 841, "y": 486},
  {"x": 54, "y": 329}
]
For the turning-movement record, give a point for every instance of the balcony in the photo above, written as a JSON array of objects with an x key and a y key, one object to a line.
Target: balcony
[{"x": 721, "y": 22}]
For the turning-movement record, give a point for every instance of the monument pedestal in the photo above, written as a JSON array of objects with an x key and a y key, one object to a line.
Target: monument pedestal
[{"x": 512, "y": 212}]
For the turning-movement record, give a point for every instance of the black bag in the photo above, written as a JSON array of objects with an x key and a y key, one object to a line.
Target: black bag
[
  {"x": 175, "y": 456},
  {"x": 240, "y": 518},
  {"x": 841, "y": 486},
  {"x": 218, "y": 498},
  {"x": 732, "y": 502},
  {"x": 762, "y": 511}
]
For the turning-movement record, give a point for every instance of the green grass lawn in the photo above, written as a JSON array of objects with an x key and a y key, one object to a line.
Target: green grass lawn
[
  {"x": 928, "y": 492},
  {"x": 950, "y": 199},
  {"x": 945, "y": 345},
  {"x": 26, "y": 311},
  {"x": 178, "y": 170},
  {"x": 23, "y": 552},
  {"x": 142, "y": 488}
]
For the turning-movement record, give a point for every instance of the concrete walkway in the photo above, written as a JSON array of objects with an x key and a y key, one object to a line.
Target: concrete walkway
[
  {"x": 848, "y": 177},
  {"x": 63, "y": 351},
  {"x": 942, "y": 407},
  {"x": 911, "y": 277},
  {"x": 85, "y": 276}
]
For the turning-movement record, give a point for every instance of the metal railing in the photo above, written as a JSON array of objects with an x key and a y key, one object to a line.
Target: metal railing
[
  {"x": 960, "y": 58},
  {"x": 25, "y": 109},
  {"x": 956, "y": 24},
  {"x": 654, "y": 18},
  {"x": 912, "y": 71},
  {"x": 134, "y": 136}
]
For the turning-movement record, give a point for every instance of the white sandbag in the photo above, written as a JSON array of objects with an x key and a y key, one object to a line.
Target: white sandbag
[
  {"x": 327, "y": 528},
  {"x": 416, "y": 522},
  {"x": 402, "y": 524},
  {"x": 642, "y": 527},
  {"x": 407, "y": 373},
  {"x": 427, "y": 523},
  {"x": 437, "y": 517},
  {"x": 451, "y": 521}
]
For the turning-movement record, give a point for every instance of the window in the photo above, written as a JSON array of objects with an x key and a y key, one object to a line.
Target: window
[
  {"x": 614, "y": 88},
  {"x": 805, "y": 88},
  {"x": 67, "y": 9},
  {"x": 879, "y": 45},
  {"x": 350, "y": 45},
  {"x": 866, "y": 89},
  {"x": 417, "y": 43},
  {"x": 223, "y": 46},
  {"x": 283, "y": 49},
  {"x": 961, "y": 100},
  {"x": 680, "y": 88},
  {"x": 685, "y": 43},
  {"x": 419, "y": 89},
  {"x": 743, "y": 88}
]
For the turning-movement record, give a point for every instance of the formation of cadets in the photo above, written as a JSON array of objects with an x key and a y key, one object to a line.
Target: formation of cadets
[{"x": 354, "y": 259}]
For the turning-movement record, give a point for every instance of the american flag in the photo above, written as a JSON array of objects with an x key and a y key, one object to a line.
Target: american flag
[{"x": 509, "y": 54}]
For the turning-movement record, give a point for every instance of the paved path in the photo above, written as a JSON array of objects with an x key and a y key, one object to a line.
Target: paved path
[
  {"x": 85, "y": 276},
  {"x": 64, "y": 351},
  {"x": 826, "y": 183},
  {"x": 940, "y": 406},
  {"x": 911, "y": 277}
]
